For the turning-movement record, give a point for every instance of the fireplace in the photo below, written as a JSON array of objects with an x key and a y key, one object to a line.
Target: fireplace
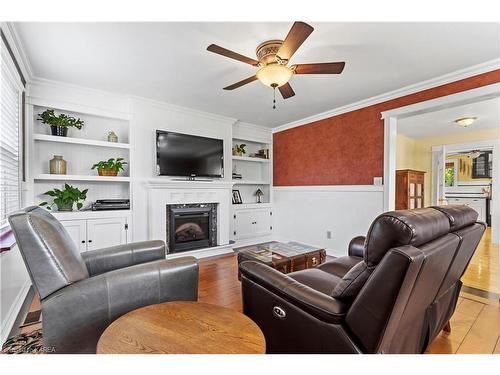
[{"x": 191, "y": 226}]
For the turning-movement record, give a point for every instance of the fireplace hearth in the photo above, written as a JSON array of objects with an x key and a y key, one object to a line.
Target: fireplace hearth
[{"x": 191, "y": 226}]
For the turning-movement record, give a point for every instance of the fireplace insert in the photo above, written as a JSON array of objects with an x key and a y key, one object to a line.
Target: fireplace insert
[{"x": 191, "y": 227}]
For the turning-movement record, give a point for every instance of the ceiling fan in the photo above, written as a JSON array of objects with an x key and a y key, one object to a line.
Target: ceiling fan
[{"x": 273, "y": 57}]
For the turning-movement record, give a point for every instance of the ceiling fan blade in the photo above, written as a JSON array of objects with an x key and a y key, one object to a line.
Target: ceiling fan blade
[
  {"x": 232, "y": 55},
  {"x": 241, "y": 83},
  {"x": 296, "y": 36},
  {"x": 286, "y": 91},
  {"x": 320, "y": 68}
]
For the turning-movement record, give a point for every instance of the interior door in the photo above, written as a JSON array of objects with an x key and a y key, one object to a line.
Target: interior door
[
  {"x": 77, "y": 229},
  {"x": 106, "y": 232},
  {"x": 438, "y": 169}
]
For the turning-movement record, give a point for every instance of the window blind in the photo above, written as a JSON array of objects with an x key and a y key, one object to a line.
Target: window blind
[{"x": 10, "y": 181}]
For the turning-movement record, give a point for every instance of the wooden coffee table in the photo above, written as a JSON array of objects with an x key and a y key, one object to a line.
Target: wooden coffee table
[{"x": 182, "y": 328}]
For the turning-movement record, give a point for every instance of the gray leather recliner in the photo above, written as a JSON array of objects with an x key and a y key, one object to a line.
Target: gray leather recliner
[{"x": 81, "y": 294}]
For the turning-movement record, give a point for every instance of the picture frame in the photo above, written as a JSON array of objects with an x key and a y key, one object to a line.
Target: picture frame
[{"x": 237, "y": 197}]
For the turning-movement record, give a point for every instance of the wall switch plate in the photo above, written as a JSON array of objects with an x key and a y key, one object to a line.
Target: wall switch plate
[
  {"x": 377, "y": 181},
  {"x": 329, "y": 234}
]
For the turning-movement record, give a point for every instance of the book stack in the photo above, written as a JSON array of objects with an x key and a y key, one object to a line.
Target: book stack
[{"x": 263, "y": 154}]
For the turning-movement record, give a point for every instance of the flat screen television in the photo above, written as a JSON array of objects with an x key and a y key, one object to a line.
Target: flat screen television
[{"x": 186, "y": 155}]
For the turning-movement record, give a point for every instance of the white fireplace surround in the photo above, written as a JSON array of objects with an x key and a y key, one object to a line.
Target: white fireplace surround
[{"x": 164, "y": 192}]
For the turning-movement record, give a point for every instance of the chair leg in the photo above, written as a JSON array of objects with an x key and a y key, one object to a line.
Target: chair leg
[{"x": 447, "y": 327}]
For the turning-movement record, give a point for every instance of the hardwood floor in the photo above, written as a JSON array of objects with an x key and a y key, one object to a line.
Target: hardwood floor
[
  {"x": 475, "y": 326},
  {"x": 484, "y": 269}
]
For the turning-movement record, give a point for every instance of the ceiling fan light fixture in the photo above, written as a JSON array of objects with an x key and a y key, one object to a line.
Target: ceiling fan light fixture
[
  {"x": 274, "y": 75},
  {"x": 465, "y": 121}
]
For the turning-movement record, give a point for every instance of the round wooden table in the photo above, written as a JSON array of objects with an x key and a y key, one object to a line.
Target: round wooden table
[{"x": 182, "y": 328}]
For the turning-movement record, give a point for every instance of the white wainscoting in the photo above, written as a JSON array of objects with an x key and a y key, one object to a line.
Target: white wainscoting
[
  {"x": 306, "y": 213},
  {"x": 14, "y": 285}
]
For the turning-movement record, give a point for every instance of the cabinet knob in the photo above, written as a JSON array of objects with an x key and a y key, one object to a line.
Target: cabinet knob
[
  {"x": 83, "y": 241},
  {"x": 90, "y": 240}
]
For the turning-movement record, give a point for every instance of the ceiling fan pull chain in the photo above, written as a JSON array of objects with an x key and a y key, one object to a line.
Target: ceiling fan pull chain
[{"x": 274, "y": 97}]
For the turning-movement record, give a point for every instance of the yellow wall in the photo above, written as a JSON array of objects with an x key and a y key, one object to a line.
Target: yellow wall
[{"x": 417, "y": 153}]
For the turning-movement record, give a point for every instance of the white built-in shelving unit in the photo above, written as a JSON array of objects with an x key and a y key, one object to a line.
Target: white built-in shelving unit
[
  {"x": 256, "y": 172},
  {"x": 252, "y": 221},
  {"x": 81, "y": 149}
]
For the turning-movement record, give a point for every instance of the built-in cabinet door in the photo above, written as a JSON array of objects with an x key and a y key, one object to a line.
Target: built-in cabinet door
[
  {"x": 106, "y": 232},
  {"x": 252, "y": 223},
  {"x": 243, "y": 223},
  {"x": 77, "y": 229},
  {"x": 262, "y": 222}
]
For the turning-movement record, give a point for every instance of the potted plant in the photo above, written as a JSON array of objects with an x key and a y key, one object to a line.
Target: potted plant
[
  {"x": 239, "y": 150},
  {"x": 59, "y": 124},
  {"x": 65, "y": 199},
  {"x": 109, "y": 167}
]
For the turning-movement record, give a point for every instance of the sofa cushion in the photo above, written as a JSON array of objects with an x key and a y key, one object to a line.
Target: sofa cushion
[
  {"x": 351, "y": 284},
  {"x": 340, "y": 266},
  {"x": 321, "y": 281},
  {"x": 405, "y": 227},
  {"x": 459, "y": 215}
]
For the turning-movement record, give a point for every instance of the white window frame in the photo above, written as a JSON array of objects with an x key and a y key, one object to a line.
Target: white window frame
[{"x": 8, "y": 68}]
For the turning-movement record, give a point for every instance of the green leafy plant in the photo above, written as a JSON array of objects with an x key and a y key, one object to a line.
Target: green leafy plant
[
  {"x": 112, "y": 164},
  {"x": 50, "y": 118},
  {"x": 240, "y": 149},
  {"x": 65, "y": 199}
]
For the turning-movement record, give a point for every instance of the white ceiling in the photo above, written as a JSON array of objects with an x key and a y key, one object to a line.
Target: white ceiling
[
  {"x": 442, "y": 122},
  {"x": 168, "y": 61}
]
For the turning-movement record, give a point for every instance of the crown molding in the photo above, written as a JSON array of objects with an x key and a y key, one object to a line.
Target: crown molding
[
  {"x": 184, "y": 110},
  {"x": 252, "y": 126},
  {"x": 407, "y": 90},
  {"x": 18, "y": 49}
]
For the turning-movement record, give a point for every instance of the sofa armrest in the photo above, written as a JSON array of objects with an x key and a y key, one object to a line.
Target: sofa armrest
[
  {"x": 357, "y": 247},
  {"x": 115, "y": 257},
  {"x": 74, "y": 317},
  {"x": 319, "y": 305}
]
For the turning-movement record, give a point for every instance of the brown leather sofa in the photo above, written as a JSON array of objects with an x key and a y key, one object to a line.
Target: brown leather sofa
[{"x": 393, "y": 293}]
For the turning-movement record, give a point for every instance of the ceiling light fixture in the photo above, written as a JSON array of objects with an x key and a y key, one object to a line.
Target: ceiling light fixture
[
  {"x": 274, "y": 75},
  {"x": 465, "y": 121}
]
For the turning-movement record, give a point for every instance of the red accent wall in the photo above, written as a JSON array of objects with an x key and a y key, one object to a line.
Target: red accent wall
[{"x": 348, "y": 149}]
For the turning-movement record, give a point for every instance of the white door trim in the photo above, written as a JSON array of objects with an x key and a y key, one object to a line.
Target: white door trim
[{"x": 391, "y": 118}]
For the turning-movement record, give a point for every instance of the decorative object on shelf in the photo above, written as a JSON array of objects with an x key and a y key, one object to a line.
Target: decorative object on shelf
[
  {"x": 259, "y": 193},
  {"x": 261, "y": 154},
  {"x": 65, "y": 199},
  {"x": 239, "y": 150},
  {"x": 109, "y": 167},
  {"x": 112, "y": 137},
  {"x": 57, "y": 165},
  {"x": 237, "y": 176},
  {"x": 237, "y": 197},
  {"x": 59, "y": 124}
]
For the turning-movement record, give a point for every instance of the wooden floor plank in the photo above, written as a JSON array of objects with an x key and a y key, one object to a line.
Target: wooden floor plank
[
  {"x": 483, "y": 334},
  {"x": 483, "y": 271}
]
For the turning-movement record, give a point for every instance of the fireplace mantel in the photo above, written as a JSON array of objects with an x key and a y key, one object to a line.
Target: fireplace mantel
[
  {"x": 159, "y": 183},
  {"x": 163, "y": 192}
]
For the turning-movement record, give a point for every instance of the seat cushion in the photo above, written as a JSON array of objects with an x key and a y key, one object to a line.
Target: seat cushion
[
  {"x": 321, "y": 281},
  {"x": 340, "y": 266}
]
